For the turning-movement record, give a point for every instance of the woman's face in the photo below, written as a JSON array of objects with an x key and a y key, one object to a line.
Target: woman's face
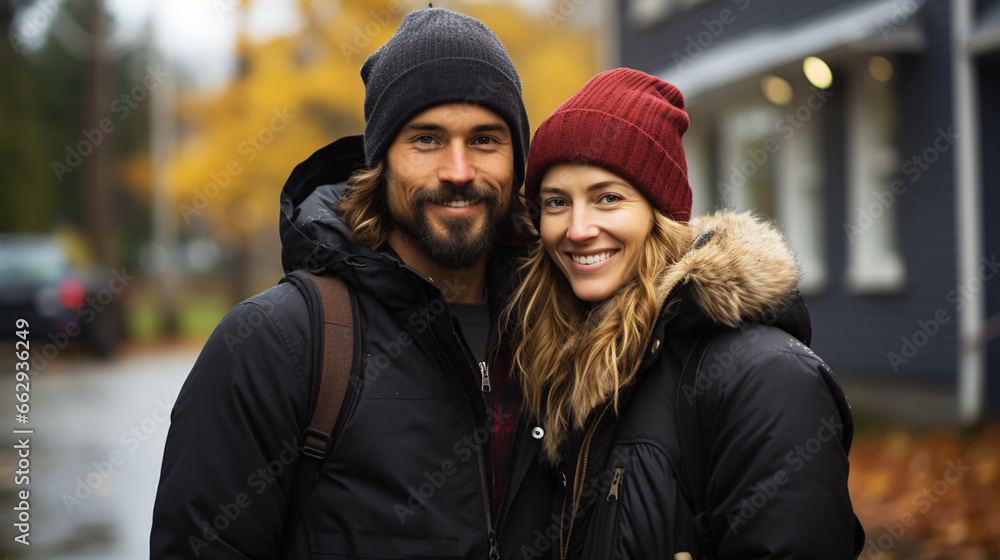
[{"x": 593, "y": 226}]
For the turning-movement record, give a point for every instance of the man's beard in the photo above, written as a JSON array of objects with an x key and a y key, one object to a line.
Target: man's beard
[{"x": 457, "y": 247}]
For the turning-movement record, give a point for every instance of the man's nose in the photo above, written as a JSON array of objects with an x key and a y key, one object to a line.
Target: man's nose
[{"x": 456, "y": 166}]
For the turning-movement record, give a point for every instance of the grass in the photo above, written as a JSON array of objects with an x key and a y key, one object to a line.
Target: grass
[{"x": 197, "y": 316}]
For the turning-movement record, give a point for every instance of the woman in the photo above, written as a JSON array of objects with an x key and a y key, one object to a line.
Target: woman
[{"x": 746, "y": 456}]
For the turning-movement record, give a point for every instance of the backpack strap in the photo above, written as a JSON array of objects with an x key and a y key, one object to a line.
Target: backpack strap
[
  {"x": 330, "y": 305},
  {"x": 689, "y": 433}
]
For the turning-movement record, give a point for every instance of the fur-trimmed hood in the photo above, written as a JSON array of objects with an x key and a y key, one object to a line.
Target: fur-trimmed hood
[{"x": 739, "y": 269}]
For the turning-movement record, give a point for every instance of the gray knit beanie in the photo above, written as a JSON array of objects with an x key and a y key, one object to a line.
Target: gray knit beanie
[{"x": 436, "y": 57}]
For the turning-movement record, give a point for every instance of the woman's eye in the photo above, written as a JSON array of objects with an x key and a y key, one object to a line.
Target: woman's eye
[
  {"x": 554, "y": 203},
  {"x": 610, "y": 198}
]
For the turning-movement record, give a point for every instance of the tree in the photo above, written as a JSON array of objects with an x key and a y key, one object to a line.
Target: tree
[
  {"x": 293, "y": 94},
  {"x": 27, "y": 185}
]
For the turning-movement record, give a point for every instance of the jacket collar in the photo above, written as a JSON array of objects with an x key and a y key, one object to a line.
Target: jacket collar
[{"x": 738, "y": 270}]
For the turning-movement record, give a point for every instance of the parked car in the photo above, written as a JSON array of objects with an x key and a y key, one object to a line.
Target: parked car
[{"x": 62, "y": 302}]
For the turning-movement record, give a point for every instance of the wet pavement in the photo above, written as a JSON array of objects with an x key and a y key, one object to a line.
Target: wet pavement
[{"x": 99, "y": 429}]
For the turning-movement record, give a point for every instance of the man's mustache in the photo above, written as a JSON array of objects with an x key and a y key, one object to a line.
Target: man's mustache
[{"x": 446, "y": 193}]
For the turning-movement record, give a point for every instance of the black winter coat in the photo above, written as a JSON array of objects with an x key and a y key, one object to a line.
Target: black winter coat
[
  {"x": 776, "y": 427},
  {"x": 408, "y": 476}
]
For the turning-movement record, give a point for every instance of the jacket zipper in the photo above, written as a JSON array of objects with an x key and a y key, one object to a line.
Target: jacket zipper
[
  {"x": 484, "y": 370},
  {"x": 494, "y": 545},
  {"x": 493, "y": 542},
  {"x": 491, "y": 523},
  {"x": 615, "y": 483},
  {"x": 581, "y": 475},
  {"x": 610, "y": 521},
  {"x": 487, "y": 488},
  {"x": 503, "y": 493}
]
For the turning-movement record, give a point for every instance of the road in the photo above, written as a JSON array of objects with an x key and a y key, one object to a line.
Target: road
[{"x": 99, "y": 429}]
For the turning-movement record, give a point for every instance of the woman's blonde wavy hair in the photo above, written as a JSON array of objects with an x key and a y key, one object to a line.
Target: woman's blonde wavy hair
[{"x": 572, "y": 358}]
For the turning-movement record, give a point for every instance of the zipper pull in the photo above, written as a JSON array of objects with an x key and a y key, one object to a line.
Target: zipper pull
[
  {"x": 615, "y": 483},
  {"x": 564, "y": 478},
  {"x": 494, "y": 546},
  {"x": 485, "y": 371}
]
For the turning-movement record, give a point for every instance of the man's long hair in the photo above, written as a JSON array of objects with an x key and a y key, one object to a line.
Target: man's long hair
[
  {"x": 364, "y": 209},
  {"x": 572, "y": 358}
]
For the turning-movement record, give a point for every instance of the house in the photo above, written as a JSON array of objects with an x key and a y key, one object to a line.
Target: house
[{"x": 870, "y": 130}]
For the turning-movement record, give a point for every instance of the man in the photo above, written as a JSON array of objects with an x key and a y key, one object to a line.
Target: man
[{"x": 423, "y": 233}]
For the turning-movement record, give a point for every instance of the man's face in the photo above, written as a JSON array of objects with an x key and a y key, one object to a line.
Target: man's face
[{"x": 450, "y": 177}]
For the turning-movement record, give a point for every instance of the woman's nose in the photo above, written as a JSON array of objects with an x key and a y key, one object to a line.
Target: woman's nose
[{"x": 581, "y": 225}]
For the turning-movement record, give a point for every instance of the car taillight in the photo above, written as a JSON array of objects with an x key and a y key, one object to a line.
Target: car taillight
[{"x": 71, "y": 293}]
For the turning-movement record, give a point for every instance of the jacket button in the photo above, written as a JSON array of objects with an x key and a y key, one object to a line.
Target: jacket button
[
  {"x": 537, "y": 432},
  {"x": 656, "y": 346}
]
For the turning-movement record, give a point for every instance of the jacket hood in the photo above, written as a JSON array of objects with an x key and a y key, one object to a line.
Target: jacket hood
[
  {"x": 311, "y": 234},
  {"x": 739, "y": 269}
]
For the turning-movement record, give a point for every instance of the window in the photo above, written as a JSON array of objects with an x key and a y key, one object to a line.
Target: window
[
  {"x": 800, "y": 184},
  {"x": 875, "y": 264},
  {"x": 646, "y": 13},
  {"x": 770, "y": 160}
]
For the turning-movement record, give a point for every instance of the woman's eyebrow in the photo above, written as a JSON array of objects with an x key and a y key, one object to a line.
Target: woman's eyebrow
[{"x": 593, "y": 187}]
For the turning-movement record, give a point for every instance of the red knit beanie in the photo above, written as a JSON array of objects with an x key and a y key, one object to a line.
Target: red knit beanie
[{"x": 627, "y": 122}]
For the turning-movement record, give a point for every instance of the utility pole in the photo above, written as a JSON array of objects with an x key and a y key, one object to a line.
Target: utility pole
[
  {"x": 162, "y": 144},
  {"x": 97, "y": 178}
]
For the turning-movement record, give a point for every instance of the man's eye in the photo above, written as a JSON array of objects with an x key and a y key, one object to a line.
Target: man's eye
[
  {"x": 425, "y": 139},
  {"x": 485, "y": 140}
]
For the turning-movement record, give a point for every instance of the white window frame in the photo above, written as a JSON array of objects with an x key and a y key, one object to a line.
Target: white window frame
[
  {"x": 796, "y": 159},
  {"x": 875, "y": 264},
  {"x": 799, "y": 198}
]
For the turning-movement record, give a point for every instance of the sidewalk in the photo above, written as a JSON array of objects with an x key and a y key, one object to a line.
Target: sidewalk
[{"x": 921, "y": 407}]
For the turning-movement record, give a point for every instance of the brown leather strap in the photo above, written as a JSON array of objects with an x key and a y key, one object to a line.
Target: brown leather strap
[
  {"x": 338, "y": 353},
  {"x": 332, "y": 365}
]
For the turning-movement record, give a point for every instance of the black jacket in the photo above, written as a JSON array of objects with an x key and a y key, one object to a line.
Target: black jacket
[
  {"x": 408, "y": 477},
  {"x": 776, "y": 428}
]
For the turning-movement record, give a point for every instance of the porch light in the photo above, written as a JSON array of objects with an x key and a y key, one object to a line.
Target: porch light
[
  {"x": 880, "y": 68},
  {"x": 776, "y": 90},
  {"x": 817, "y": 72}
]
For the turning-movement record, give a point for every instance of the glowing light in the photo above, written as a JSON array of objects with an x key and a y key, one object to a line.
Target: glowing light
[
  {"x": 880, "y": 68},
  {"x": 71, "y": 293},
  {"x": 817, "y": 72},
  {"x": 776, "y": 90}
]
